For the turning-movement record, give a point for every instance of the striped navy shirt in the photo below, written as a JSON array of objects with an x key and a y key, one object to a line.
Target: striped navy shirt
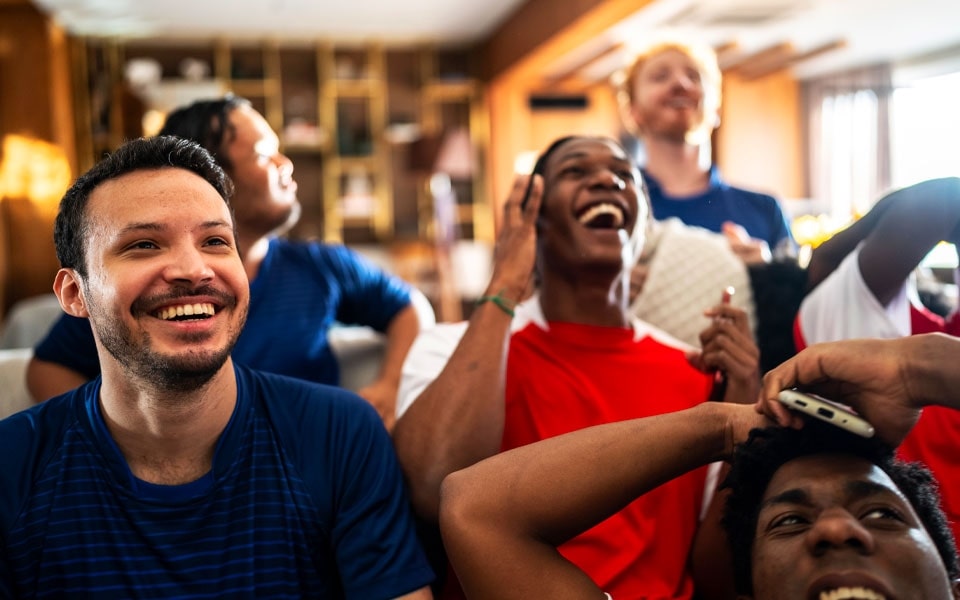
[{"x": 305, "y": 499}]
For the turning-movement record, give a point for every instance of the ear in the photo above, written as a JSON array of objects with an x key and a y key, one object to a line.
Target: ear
[
  {"x": 955, "y": 588},
  {"x": 69, "y": 292}
]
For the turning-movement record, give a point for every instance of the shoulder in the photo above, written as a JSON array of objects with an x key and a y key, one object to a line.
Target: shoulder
[
  {"x": 323, "y": 429},
  {"x": 28, "y": 441}
]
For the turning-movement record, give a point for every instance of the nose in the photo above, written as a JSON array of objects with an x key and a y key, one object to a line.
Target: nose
[
  {"x": 837, "y": 529},
  {"x": 608, "y": 180},
  {"x": 284, "y": 164},
  {"x": 188, "y": 264}
]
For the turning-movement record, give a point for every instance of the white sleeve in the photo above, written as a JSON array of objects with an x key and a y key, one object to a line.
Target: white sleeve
[
  {"x": 842, "y": 307},
  {"x": 427, "y": 357}
]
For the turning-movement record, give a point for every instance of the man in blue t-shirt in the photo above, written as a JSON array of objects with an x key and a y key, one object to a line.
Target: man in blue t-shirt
[
  {"x": 177, "y": 473},
  {"x": 670, "y": 99},
  {"x": 298, "y": 290}
]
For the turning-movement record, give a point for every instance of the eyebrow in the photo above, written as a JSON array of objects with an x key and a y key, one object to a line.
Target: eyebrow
[
  {"x": 855, "y": 490},
  {"x": 137, "y": 227}
]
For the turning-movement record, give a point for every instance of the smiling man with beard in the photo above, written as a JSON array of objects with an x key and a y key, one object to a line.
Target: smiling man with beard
[
  {"x": 568, "y": 358},
  {"x": 176, "y": 472},
  {"x": 298, "y": 290}
]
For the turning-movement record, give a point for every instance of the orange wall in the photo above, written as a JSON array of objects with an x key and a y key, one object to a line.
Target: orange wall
[{"x": 759, "y": 144}]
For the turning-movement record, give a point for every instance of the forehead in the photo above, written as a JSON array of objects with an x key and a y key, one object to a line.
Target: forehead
[
  {"x": 249, "y": 125},
  {"x": 670, "y": 57},
  {"x": 829, "y": 476},
  {"x": 156, "y": 195},
  {"x": 587, "y": 148}
]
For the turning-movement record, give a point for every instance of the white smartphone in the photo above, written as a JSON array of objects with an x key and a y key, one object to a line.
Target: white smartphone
[{"x": 825, "y": 410}]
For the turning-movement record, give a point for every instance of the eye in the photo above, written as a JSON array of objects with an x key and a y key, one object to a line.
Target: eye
[
  {"x": 142, "y": 245},
  {"x": 572, "y": 171},
  {"x": 882, "y": 513},
  {"x": 627, "y": 175},
  {"x": 788, "y": 521},
  {"x": 218, "y": 241}
]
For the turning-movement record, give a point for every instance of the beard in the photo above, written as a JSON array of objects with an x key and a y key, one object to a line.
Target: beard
[{"x": 183, "y": 372}]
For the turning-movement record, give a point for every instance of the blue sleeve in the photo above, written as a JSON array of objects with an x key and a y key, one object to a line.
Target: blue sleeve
[
  {"x": 70, "y": 343},
  {"x": 370, "y": 296},
  {"x": 347, "y": 460}
]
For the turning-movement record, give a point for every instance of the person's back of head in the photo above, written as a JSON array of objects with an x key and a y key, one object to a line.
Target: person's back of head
[
  {"x": 206, "y": 123},
  {"x": 760, "y": 458},
  {"x": 71, "y": 225}
]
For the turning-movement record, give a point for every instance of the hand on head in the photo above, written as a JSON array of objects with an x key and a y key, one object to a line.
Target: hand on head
[
  {"x": 516, "y": 249},
  {"x": 869, "y": 375}
]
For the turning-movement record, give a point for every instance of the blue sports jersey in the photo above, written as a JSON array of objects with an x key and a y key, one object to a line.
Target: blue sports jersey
[
  {"x": 300, "y": 290},
  {"x": 759, "y": 214},
  {"x": 305, "y": 499}
]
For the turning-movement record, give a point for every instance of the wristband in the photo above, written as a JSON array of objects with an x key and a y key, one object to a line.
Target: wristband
[{"x": 503, "y": 303}]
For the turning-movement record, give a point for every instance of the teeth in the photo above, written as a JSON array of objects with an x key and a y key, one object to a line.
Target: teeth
[
  {"x": 851, "y": 593},
  {"x": 603, "y": 209},
  {"x": 185, "y": 310}
]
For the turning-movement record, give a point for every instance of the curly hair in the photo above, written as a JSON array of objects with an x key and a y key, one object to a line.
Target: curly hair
[
  {"x": 71, "y": 227},
  {"x": 756, "y": 460}
]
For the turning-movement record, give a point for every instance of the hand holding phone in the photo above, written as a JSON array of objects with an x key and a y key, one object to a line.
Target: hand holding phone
[{"x": 825, "y": 410}]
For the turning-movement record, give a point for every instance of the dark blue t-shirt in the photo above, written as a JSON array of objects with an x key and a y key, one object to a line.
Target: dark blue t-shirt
[
  {"x": 305, "y": 499},
  {"x": 300, "y": 290},
  {"x": 759, "y": 214}
]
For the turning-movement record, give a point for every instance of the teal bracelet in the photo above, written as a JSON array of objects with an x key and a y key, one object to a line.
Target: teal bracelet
[{"x": 504, "y": 304}]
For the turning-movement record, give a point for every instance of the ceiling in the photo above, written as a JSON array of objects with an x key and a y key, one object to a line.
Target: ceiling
[
  {"x": 441, "y": 21},
  {"x": 812, "y": 37}
]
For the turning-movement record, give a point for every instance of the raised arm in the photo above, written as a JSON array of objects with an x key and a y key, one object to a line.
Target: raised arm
[
  {"x": 503, "y": 518},
  {"x": 897, "y": 233},
  {"x": 888, "y": 381},
  {"x": 458, "y": 419}
]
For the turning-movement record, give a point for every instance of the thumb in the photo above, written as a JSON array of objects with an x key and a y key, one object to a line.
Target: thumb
[
  {"x": 695, "y": 358},
  {"x": 735, "y": 232}
]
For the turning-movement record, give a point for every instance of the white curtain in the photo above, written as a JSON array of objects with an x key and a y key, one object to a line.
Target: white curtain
[{"x": 848, "y": 140}]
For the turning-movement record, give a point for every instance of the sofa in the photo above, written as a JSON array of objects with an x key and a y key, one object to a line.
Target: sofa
[{"x": 359, "y": 350}]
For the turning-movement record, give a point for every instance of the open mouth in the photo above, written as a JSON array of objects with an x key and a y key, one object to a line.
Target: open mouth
[
  {"x": 186, "y": 312},
  {"x": 851, "y": 593},
  {"x": 604, "y": 215}
]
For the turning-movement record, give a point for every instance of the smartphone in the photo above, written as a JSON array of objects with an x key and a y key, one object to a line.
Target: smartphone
[{"x": 826, "y": 410}]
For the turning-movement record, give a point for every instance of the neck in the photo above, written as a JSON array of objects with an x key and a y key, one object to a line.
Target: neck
[
  {"x": 588, "y": 299},
  {"x": 676, "y": 165},
  {"x": 167, "y": 437}
]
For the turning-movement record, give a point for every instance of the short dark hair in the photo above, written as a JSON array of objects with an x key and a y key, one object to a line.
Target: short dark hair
[
  {"x": 766, "y": 450},
  {"x": 71, "y": 226},
  {"x": 205, "y": 122}
]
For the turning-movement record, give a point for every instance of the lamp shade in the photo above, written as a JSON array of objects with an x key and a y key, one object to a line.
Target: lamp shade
[{"x": 457, "y": 156}]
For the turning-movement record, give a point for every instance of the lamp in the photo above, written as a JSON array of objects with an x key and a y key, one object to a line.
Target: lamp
[{"x": 445, "y": 159}]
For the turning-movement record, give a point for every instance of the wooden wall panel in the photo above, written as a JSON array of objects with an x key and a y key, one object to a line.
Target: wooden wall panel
[{"x": 36, "y": 105}]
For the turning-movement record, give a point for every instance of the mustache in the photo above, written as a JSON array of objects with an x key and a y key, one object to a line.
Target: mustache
[{"x": 148, "y": 304}]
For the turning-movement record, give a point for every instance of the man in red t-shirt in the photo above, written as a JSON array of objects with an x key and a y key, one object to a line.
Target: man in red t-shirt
[{"x": 568, "y": 358}]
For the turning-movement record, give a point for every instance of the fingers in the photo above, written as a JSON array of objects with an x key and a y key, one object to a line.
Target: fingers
[
  {"x": 533, "y": 199},
  {"x": 513, "y": 207}
]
